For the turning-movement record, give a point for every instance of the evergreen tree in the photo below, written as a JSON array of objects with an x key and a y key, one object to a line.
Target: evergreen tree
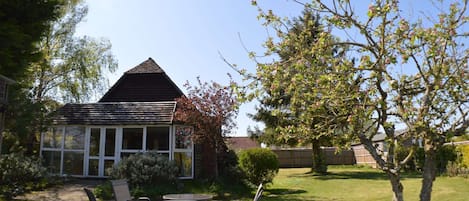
[{"x": 275, "y": 110}]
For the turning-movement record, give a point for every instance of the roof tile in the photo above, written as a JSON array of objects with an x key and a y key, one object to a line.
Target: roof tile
[
  {"x": 148, "y": 66},
  {"x": 115, "y": 113}
]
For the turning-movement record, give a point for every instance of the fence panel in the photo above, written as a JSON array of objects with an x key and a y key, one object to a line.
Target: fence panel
[{"x": 289, "y": 158}]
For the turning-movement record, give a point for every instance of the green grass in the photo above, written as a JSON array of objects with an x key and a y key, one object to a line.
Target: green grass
[
  {"x": 343, "y": 183},
  {"x": 354, "y": 183}
]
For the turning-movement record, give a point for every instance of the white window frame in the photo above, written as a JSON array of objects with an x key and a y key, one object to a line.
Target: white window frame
[
  {"x": 170, "y": 147},
  {"x": 62, "y": 149},
  {"x": 191, "y": 150},
  {"x": 101, "y": 156},
  {"x": 117, "y": 149}
]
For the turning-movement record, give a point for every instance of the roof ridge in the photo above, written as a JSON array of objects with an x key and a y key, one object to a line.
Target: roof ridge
[
  {"x": 125, "y": 102},
  {"x": 147, "y": 66}
]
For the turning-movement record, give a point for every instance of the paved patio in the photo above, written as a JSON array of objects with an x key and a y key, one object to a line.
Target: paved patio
[{"x": 71, "y": 190}]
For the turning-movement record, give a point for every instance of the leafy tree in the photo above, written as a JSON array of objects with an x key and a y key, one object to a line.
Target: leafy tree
[
  {"x": 363, "y": 92},
  {"x": 72, "y": 69},
  {"x": 211, "y": 108},
  {"x": 22, "y": 24}
]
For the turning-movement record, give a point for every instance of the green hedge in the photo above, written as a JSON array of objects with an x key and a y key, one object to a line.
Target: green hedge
[{"x": 259, "y": 165}]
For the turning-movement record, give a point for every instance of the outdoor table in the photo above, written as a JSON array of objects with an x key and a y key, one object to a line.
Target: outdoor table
[{"x": 187, "y": 196}]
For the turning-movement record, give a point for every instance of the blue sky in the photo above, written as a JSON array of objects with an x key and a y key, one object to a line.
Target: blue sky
[
  {"x": 186, "y": 37},
  {"x": 183, "y": 37}
]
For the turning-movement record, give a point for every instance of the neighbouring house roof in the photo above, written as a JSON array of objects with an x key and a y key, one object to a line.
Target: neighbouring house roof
[
  {"x": 7, "y": 80},
  {"x": 116, "y": 113},
  {"x": 4, "y": 82},
  {"x": 382, "y": 136},
  {"x": 239, "y": 143},
  {"x": 147, "y": 82}
]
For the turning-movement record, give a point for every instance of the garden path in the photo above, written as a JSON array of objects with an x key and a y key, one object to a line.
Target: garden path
[{"x": 71, "y": 190}]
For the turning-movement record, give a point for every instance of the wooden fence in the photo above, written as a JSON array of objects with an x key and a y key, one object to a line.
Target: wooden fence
[
  {"x": 363, "y": 157},
  {"x": 289, "y": 158}
]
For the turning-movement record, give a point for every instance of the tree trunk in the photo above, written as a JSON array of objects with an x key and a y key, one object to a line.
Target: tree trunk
[
  {"x": 392, "y": 172},
  {"x": 429, "y": 173},
  {"x": 216, "y": 158},
  {"x": 319, "y": 163},
  {"x": 397, "y": 188}
]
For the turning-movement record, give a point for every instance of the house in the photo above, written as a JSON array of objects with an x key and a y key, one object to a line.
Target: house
[
  {"x": 135, "y": 115},
  {"x": 363, "y": 157},
  {"x": 4, "y": 83}
]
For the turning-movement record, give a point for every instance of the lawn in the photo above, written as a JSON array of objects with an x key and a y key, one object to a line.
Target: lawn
[
  {"x": 343, "y": 183},
  {"x": 355, "y": 183}
]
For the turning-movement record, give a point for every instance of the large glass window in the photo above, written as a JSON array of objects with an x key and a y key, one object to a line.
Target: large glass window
[
  {"x": 107, "y": 166},
  {"x": 183, "y": 150},
  {"x": 110, "y": 145},
  {"x": 183, "y": 137},
  {"x": 95, "y": 138},
  {"x": 63, "y": 150},
  {"x": 73, "y": 163},
  {"x": 132, "y": 138},
  {"x": 53, "y": 138},
  {"x": 75, "y": 138},
  {"x": 158, "y": 138},
  {"x": 93, "y": 167},
  {"x": 184, "y": 162},
  {"x": 51, "y": 160}
]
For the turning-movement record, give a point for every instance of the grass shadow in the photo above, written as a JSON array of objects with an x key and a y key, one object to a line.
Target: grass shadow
[
  {"x": 284, "y": 191},
  {"x": 353, "y": 175},
  {"x": 267, "y": 198},
  {"x": 293, "y": 196},
  {"x": 365, "y": 175}
]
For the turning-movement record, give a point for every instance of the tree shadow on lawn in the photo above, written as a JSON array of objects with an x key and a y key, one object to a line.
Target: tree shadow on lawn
[
  {"x": 365, "y": 175},
  {"x": 277, "y": 194},
  {"x": 283, "y": 191},
  {"x": 282, "y": 198},
  {"x": 281, "y": 194}
]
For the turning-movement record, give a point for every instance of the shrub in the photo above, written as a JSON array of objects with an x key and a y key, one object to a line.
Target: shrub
[
  {"x": 228, "y": 167},
  {"x": 146, "y": 169},
  {"x": 453, "y": 169},
  {"x": 104, "y": 191},
  {"x": 19, "y": 173},
  {"x": 259, "y": 165},
  {"x": 402, "y": 153},
  {"x": 443, "y": 156},
  {"x": 464, "y": 155}
]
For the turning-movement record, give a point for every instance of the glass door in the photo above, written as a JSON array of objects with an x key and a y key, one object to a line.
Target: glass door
[
  {"x": 101, "y": 154},
  {"x": 183, "y": 149}
]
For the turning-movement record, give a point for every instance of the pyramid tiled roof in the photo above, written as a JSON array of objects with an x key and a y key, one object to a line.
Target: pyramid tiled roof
[
  {"x": 148, "y": 66},
  {"x": 146, "y": 82}
]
